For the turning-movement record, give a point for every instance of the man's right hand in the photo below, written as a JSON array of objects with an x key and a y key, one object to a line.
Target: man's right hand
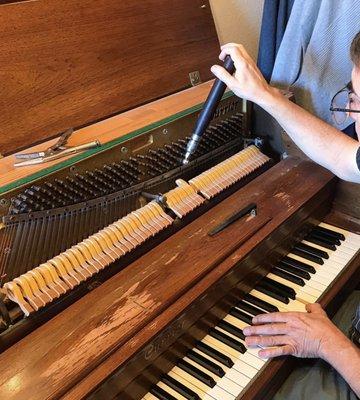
[{"x": 248, "y": 82}]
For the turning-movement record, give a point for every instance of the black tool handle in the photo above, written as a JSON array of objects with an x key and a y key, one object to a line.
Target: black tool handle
[
  {"x": 210, "y": 106},
  {"x": 213, "y": 100},
  {"x": 249, "y": 209}
]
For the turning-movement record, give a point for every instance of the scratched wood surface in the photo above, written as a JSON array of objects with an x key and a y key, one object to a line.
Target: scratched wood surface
[
  {"x": 70, "y": 63},
  {"x": 90, "y": 335}
]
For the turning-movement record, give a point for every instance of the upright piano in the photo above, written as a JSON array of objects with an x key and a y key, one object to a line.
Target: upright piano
[{"x": 123, "y": 273}]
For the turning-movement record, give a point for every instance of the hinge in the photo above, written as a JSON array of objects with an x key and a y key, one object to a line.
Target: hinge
[{"x": 195, "y": 78}]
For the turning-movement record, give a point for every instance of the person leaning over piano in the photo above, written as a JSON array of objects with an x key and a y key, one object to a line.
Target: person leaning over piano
[{"x": 310, "y": 334}]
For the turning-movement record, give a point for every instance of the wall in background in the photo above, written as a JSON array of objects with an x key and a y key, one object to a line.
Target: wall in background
[{"x": 239, "y": 21}]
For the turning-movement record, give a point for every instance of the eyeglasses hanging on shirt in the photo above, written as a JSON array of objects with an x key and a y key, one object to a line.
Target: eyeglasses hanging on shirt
[{"x": 344, "y": 103}]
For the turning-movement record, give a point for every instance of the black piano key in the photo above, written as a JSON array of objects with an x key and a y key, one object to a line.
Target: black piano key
[
  {"x": 206, "y": 363},
  {"x": 228, "y": 340},
  {"x": 282, "y": 294},
  {"x": 297, "y": 264},
  {"x": 293, "y": 272},
  {"x": 260, "y": 303},
  {"x": 290, "y": 277},
  {"x": 311, "y": 250},
  {"x": 329, "y": 232},
  {"x": 249, "y": 308},
  {"x": 196, "y": 373},
  {"x": 180, "y": 388},
  {"x": 281, "y": 288},
  {"x": 326, "y": 238},
  {"x": 161, "y": 393},
  {"x": 321, "y": 242},
  {"x": 226, "y": 326},
  {"x": 263, "y": 288},
  {"x": 215, "y": 354},
  {"x": 308, "y": 256},
  {"x": 241, "y": 315}
]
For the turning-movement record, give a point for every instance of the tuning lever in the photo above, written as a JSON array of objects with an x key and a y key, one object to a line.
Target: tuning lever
[{"x": 207, "y": 113}]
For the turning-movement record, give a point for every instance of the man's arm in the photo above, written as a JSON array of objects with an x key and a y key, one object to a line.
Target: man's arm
[
  {"x": 309, "y": 334},
  {"x": 319, "y": 141}
]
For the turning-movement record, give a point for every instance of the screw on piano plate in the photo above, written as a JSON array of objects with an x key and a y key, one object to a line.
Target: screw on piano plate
[
  {"x": 73, "y": 169},
  {"x": 93, "y": 285},
  {"x": 124, "y": 150},
  {"x": 203, "y": 6},
  {"x": 4, "y": 202},
  {"x": 165, "y": 131}
]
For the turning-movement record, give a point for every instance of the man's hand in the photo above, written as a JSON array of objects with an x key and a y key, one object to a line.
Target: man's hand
[
  {"x": 248, "y": 81},
  {"x": 309, "y": 334}
]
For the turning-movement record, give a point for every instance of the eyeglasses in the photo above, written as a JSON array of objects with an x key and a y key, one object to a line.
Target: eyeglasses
[{"x": 344, "y": 103}]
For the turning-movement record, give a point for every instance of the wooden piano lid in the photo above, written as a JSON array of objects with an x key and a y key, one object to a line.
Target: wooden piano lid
[{"x": 69, "y": 63}]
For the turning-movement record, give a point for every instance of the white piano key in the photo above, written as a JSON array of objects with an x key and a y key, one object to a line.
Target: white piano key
[
  {"x": 223, "y": 382},
  {"x": 330, "y": 268},
  {"x": 239, "y": 365},
  {"x": 191, "y": 386},
  {"x": 349, "y": 246},
  {"x": 328, "y": 273},
  {"x": 246, "y": 357},
  {"x": 310, "y": 289},
  {"x": 149, "y": 396},
  {"x": 251, "y": 351},
  {"x": 349, "y": 236},
  {"x": 216, "y": 392},
  {"x": 232, "y": 373},
  {"x": 220, "y": 346},
  {"x": 293, "y": 305},
  {"x": 306, "y": 292},
  {"x": 171, "y": 391},
  {"x": 236, "y": 322},
  {"x": 341, "y": 254}
]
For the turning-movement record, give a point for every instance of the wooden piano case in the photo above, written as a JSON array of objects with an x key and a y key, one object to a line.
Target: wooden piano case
[{"x": 69, "y": 64}]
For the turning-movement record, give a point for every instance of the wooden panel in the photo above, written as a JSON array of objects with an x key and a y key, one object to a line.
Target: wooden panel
[
  {"x": 347, "y": 199},
  {"x": 149, "y": 293},
  {"x": 68, "y": 63},
  {"x": 111, "y": 128}
]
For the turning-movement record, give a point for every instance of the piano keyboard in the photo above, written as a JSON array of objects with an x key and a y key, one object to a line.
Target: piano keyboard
[
  {"x": 42, "y": 285},
  {"x": 220, "y": 367}
]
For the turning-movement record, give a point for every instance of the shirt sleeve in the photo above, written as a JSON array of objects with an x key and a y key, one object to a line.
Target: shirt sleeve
[{"x": 355, "y": 328}]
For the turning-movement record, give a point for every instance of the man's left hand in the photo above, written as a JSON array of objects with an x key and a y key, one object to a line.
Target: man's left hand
[{"x": 309, "y": 334}]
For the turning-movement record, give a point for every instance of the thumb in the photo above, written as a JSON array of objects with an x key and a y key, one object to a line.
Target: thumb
[
  {"x": 223, "y": 75},
  {"x": 314, "y": 308}
]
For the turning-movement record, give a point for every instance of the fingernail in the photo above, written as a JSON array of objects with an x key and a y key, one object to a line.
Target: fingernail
[
  {"x": 246, "y": 331},
  {"x": 262, "y": 354}
]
